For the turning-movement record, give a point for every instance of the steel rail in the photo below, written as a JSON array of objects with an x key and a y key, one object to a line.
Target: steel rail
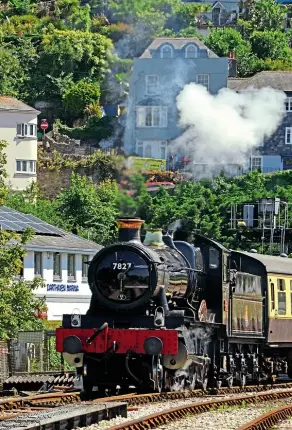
[
  {"x": 39, "y": 399},
  {"x": 141, "y": 399},
  {"x": 165, "y": 416},
  {"x": 269, "y": 419}
]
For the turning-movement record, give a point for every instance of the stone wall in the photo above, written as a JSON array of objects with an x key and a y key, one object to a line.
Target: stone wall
[
  {"x": 63, "y": 144},
  {"x": 51, "y": 182}
]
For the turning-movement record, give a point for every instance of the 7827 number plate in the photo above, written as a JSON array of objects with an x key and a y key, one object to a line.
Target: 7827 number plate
[{"x": 121, "y": 266}]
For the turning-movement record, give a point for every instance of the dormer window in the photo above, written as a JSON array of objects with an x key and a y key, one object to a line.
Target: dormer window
[
  {"x": 191, "y": 51},
  {"x": 166, "y": 51}
]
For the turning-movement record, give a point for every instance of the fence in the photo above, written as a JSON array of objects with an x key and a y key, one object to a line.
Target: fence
[
  {"x": 4, "y": 364},
  {"x": 32, "y": 352}
]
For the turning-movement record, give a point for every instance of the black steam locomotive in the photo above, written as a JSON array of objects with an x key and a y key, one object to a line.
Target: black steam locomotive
[{"x": 168, "y": 314}]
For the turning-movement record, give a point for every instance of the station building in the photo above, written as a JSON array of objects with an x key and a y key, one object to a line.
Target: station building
[{"x": 59, "y": 257}]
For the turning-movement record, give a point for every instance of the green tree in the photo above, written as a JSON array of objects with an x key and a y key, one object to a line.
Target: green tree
[
  {"x": 73, "y": 14},
  {"x": 69, "y": 56},
  {"x": 18, "y": 304},
  {"x": 31, "y": 201},
  {"x": 12, "y": 75},
  {"x": 265, "y": 15},
  {"x": 77, "y": 98},
  {"x": 89, "y": 209},
  {"x": 21, "y": 7},
  {"x": 271, "y": 44},
  {"x": 222, "y": 41}
]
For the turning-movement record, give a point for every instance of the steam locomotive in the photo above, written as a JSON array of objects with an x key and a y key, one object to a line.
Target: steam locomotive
[{"x": 171, "y": 314}]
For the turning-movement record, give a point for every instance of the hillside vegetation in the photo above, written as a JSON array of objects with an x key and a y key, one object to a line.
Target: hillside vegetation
[
  {"x": 91, "y": 210},
  {"x": 77, "y": 54}
]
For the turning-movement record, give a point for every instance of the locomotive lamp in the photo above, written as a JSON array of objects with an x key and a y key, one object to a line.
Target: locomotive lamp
[
  {"x": 72, "y": 345},
  {"x": 153, "y": 345}
]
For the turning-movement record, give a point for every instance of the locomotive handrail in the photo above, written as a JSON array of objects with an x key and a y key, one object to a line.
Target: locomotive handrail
[{"x": 96, "y": 333}]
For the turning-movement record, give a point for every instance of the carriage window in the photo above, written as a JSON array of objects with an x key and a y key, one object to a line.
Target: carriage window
[
  {"x": 281, "y": 296},
  {"x": 272, "y": 296},
  {"x": 291, "y": 294},
  {"x": 213, "y": 258}
]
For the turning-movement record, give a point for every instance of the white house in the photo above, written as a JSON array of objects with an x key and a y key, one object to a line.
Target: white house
[
  {"x": 18, "y": 126},
  {"x": 59, "y": 258}
]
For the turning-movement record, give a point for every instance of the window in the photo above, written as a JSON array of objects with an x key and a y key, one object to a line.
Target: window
[
  {"x": 71, "y": 267},
  {"x": 288, "y": 136},
  {"x": 281, "y": 296},
  {"x": 256, "y": 163},
  {"x": 25, "y": 166},
  {"x": 152, "y": 116},
  {"x": 26, "y": 130},
  {"x": 288, "y": 104},
  {"x": 163, "y": 151},
  {"x": 152, "y": 85},
  {"x": 166, "y": 51},
  {"x": 148, "y": 151},
  {"x": 216, "y": 16},
  {"x": 272, "y": 296},
  {"x": 38, "y": 270},
  {"x": 57, "y": 266},
  {"x": 213, "y": 258},
  {"x": 152, "y": 149},
  {"x": 140, "y": 149},
  {"x": 291, "y": 296},
  {"x": 85, "y": 260},
  {"x": 203, "y": 80},
  {"x": 191, "y": 51}
]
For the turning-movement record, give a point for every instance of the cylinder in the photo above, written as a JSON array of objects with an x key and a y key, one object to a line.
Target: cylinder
[{"x": 129, "y": 229}]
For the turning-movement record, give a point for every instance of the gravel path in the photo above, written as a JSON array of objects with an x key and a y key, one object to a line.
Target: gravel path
[{"x": 225, "y": 419}]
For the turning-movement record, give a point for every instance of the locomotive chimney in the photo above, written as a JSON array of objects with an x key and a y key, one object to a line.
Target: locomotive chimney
[{"x": 129, "y": 229}]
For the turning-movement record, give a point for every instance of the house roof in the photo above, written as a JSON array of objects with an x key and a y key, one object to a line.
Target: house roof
[
  {"x": 177, "y": 43},
  {"x": 46, "y": 236},
  {"x": 12, "y": 104},
  {"x": 279, "y": 80},
  {"x": 65, "y": 241}
]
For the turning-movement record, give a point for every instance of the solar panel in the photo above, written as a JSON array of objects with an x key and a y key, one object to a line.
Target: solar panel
[{"x": 12, "y": 220}]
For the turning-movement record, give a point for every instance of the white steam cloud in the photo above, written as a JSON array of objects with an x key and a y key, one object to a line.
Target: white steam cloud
[{"x": 224, "y": 128}]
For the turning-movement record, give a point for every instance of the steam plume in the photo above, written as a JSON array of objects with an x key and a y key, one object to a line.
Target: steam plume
[{"x": 225, "y": 128}]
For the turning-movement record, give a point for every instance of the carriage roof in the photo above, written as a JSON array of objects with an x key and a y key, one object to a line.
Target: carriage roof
[{"x": 272, "y": 263}]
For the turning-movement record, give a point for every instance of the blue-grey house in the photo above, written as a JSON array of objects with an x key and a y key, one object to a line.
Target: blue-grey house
[
  {"x": 220, "y": 13},
  {"x": 158, "y": 76},
  {"x": 275, "y": 153}
]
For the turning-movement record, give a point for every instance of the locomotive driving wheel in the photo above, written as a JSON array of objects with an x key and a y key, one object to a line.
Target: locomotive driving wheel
[{"x": 157, "y": 373}]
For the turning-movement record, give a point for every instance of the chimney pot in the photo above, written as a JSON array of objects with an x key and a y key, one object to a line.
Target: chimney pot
[{"x": 129, "y": 229}]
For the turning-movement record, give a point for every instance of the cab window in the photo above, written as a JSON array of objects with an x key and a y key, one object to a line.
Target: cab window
[
  {"x": 213, "y": 258},
  {"x": 281, "y": 296}
]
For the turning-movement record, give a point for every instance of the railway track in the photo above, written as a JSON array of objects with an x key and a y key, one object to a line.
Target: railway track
[
  {"x": 16, "y": 407},
  {"x": 169, "y": 415},
  {"x": 269, "y": 419},
  {"x": 19, "y": 405},
  {"x": 142, "y": 399}
]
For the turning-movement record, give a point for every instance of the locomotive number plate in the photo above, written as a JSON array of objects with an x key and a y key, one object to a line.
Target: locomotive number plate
[{"x": 121, "y": 266}]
